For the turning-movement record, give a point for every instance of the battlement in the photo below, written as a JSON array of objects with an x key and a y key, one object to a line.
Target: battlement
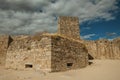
[{"x": 69, "y": 27}]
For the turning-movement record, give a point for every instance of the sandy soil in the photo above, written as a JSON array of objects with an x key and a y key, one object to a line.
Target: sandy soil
[{"x": 99, "y": 70}]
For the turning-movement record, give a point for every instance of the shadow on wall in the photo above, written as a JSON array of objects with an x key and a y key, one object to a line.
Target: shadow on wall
[
  {"x": 9, "y": 40},
  {"x": 90, "y": 57}
]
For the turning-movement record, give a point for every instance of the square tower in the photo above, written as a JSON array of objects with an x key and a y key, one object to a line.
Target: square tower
[{"x": 69, "y": 27}]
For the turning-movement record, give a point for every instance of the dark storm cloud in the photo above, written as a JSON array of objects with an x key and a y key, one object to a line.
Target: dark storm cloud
[{"x": 21, "y": 5}]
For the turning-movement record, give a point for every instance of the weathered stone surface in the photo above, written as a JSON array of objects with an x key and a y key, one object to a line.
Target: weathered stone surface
[
  {"x": 67, "y": 51},
  {"x": 44, "y": 51},
  {"x": 104, "y": 49},
  {"x": 69, "y": 26},
  {"x": 116, "y": 48},
  {"x": 27, "y": 51},
  {"x": 50, "y": 53},
  {"x": 55, "y": 52},
  {"x": 92, "y": 49},
  {"x": 4, "y": 43}
]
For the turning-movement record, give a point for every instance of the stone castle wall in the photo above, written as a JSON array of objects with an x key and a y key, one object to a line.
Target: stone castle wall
[
  {"x": 116, "y": 48},
  {"x": 58, "y": 52},
  {"x": 92, "y": 49},
  {"x": 50, "y": 53},
  {"x": 27, "y": 53},
  {"x": 68, "y": 54},
  {"x": 69, "y": 26},
  {"x": 104, "y": 49}
]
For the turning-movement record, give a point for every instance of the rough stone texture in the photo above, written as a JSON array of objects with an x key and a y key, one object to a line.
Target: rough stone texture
[
  {"x": 69, "y": 26},
  {"x": 17, "y": 37},
  {"x": 27, "y": 51},
  {"x": 55, "y": 52},
  {"x": 50, "y": 53},
  {"x": 3, "y": 48},
  {"x": 116, "y": 48},
  {"x": 67, "y": 51},
  {"x": 92, "y": 49},
  {"x": 104, "y": 49}
]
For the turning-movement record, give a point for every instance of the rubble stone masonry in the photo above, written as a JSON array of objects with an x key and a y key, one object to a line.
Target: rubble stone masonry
[
  {"x": 28, "y": 53},
  {"x": 3, "y": 48},
  {"x": 69, "y": 26},
  {"x": 104, "y": 49},
  {"x": 50, "y": 53},
  {"x": 55, "y": 52},
  {"x": 67, "y": 54}
]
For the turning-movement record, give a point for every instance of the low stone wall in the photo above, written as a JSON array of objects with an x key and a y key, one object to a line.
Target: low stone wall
[{"x": 67, "y": 54}]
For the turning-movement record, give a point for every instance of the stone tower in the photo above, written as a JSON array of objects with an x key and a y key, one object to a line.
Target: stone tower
[{"x": 69, "y": 27}]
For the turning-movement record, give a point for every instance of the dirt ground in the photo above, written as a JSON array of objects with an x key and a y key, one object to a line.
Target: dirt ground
[{"x": 99, "y": 70}]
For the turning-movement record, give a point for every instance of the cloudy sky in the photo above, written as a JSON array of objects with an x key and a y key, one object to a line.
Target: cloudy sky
[{"x": 98, "y": 18}]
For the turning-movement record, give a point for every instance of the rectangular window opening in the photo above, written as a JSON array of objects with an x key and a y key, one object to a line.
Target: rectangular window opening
[
  {"x": 69, "y": 65},
  {"x": 28, "y": 65}
]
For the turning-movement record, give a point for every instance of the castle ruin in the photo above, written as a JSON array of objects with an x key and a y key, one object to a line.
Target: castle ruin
[
  {"x": 104, "y": 49},
  {"x": 49, "y": 52},
  {"x": 61, "y": 51}
]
